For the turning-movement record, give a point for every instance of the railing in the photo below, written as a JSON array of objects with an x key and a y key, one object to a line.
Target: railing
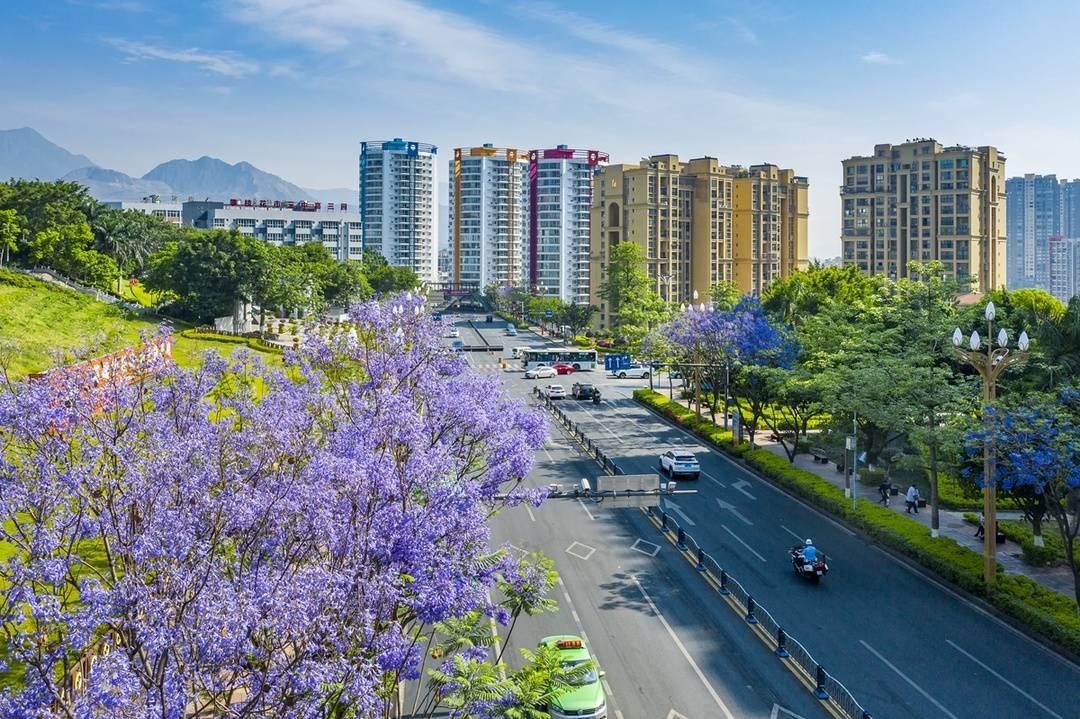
[
  {"x": 575, "y": 431},
  {"x": 826, "y": 686}
]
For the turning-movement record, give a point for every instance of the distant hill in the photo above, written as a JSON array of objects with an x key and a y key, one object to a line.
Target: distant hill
[
  {"x": 113, "y": 185},
  {"x": 214, "y": 178},
  {"x": 25, "y": 153}
]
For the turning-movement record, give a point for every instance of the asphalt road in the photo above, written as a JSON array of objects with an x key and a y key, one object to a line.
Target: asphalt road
[{"x": 905, "y": 645}]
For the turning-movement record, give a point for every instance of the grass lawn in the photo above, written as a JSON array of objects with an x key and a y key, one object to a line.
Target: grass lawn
[{"x": 38, "y": 320}]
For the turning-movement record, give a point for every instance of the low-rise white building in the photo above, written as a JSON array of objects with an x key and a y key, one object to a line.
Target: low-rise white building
[
  {"x": 152, "y": 205},
  {"x": 283, "y": 222}
]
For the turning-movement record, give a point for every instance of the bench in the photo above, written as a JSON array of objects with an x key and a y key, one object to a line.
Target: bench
[{"x": 819, "y": 455}]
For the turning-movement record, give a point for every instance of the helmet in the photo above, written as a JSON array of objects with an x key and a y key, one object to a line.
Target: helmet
[{"x": 809, "y": 542}]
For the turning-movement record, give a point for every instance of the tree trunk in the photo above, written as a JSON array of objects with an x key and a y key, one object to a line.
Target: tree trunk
[{"x": 935, "y": 522}]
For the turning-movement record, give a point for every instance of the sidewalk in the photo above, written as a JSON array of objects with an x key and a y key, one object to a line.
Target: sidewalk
[{"x": 952, "y": 523}]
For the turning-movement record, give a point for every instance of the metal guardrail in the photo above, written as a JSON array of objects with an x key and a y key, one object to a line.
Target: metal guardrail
[
  {"x": 578, "y": 433},
  {"x": 826, "y": 686}
]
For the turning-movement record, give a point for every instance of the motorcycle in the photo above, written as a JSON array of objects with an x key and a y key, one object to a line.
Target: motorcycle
[
  {"x": 812, "y": 571},
  {"x": 596, "y": 398}
]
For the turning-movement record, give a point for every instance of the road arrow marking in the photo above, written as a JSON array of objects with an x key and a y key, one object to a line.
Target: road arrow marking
[
  {"x": 678, "y": 510},
  {"x": 741, "y": 486},
  {"x": 676, "y": 715},
  {"x": 779, "y": 712},
  {"x": 731, "y": 508}
]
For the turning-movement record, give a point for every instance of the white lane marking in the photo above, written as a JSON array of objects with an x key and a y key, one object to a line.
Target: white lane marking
[
  {"x": 907, "y": 679},
  {"x": 531, "y": 515},
  {"x": 655, "y": 547},
  {"x": 1022, "y": 693},
  {"x": 495, "y": 638},
  {"x": 586, "y": 510},
  {"x": 740, "y": 486},
  {"x": 583, "y": 553},
  {"x": 574, "y": 614},
  {"x": 550, "y": 458},
  {"x": 618, "y": 714},
  {"x": 607, "y": 687},
  {"x": 740, "y": 541},
  {"x": 776, "y": 709},
  {"x": 682, "y": 649},
  {"x": 713, "y": 479},
  {"x": 678, "y": 510},
  {"x": 602, "y": 425},
  {"x": 731, "y": 508},
  {"x": 797, "y": 536}
]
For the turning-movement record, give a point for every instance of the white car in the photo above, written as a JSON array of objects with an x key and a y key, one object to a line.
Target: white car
[
  {"x": 453, "y": 333},
  {"x": 639, "y": 371},
  {"x": 511, "y": 331},
  {"x": 556, "y": 391},
  {"x": 679, "y": 463},
  {"x": 540, "y": 373}
]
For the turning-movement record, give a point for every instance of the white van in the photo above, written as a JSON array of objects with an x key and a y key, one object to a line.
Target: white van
[{"x": 516, "y": 352}]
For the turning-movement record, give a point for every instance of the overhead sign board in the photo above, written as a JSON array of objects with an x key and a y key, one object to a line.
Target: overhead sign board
[{"x": 630, "y": 490}]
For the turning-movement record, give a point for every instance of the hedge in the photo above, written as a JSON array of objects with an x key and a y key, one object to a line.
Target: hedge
[
  {"x": 1050, "y": 614},
  {"x": 512, "y": 320},
  {"x": 253, "y": 342}
]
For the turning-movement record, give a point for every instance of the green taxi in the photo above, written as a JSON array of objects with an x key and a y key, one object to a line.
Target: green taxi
[{"x": 586, "y": 699}]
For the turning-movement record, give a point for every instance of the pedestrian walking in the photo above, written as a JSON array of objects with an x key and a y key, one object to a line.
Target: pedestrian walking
[
  {"x": 911, "y": 499},
  {"x": 981, "y": 531},
  {"x": 883, "y": 489}
]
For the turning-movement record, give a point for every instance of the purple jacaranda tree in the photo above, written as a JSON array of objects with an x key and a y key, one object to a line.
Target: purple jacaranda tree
[
  {"x": 252, "y": 542},
  {"x": 1037, "y": 447},
  {"x": 716, "y": 345}
]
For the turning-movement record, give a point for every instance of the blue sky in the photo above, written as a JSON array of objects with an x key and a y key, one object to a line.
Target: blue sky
[{"x": 293, "y": 85}]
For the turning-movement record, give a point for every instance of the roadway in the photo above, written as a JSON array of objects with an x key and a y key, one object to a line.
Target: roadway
[{"x": 905, "y": 645}]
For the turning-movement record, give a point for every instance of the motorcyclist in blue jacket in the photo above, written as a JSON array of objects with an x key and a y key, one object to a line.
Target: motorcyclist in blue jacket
[{"x": 809, "y": 552}]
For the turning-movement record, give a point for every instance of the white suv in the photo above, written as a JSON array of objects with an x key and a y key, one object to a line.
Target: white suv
[
  {"x": 635, "y": 370},
  {"x": 679, "y": 463}
]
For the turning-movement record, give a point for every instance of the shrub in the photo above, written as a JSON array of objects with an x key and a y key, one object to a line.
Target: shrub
[
  {"x": 253, "y": 342},
  {"x": 872, "y": 477},
  {"x": 1036, "y": 555},
  {"x": 1050, "y": 614}
]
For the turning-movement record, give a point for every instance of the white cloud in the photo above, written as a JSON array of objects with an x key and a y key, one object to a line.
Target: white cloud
[
  {"x": 224, "y": 63},
  {"x": 223, "y": 90},
  {"x": 876, "y": 57}
]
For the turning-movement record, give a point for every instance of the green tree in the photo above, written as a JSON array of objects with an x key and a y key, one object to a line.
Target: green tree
[
  {"x": 724, "y": 295},
  {"x": 10, "y": 231},
  {"x": 202, "y": 275},
  {"x": 385, "y": 278},
  {"x": 634, "y": 306},
  {"x": 575, "y": 316}
]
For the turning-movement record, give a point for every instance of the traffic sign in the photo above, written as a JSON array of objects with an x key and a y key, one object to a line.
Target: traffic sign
[
  {"x": 616, "y": 362},
  {"x": 549, "y": 313}
]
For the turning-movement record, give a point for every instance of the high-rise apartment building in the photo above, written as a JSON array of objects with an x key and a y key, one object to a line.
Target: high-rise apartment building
[
  {"x": 1034, "y": 216},
  {"x": 1064, "y": 271},
  {"x": 398, "y": 207},
  {"x": 922, "y": 201},
  {"x": 700, "y": 223},
  {"x": 560, "y": 190},
  {"x": 1070, "y": 208},
  {"x": 489, "y": 215}
]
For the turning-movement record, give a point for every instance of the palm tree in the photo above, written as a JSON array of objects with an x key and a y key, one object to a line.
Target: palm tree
[
  {"x": 467, "y": 685},
  {"x": 530, "y": 595}
]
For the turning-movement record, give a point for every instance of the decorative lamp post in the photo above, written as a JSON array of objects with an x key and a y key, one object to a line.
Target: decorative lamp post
[{"x": 990, "y": 361}]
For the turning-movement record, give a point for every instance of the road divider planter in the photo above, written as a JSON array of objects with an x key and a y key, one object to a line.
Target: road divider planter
[{"x": 1051, "y": 615}]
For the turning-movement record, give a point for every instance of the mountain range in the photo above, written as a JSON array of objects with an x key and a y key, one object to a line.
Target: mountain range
[{"x": 24, "y": 153}]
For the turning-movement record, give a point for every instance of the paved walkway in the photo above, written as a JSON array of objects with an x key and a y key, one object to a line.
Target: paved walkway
[{"x": 952, "y": 524}]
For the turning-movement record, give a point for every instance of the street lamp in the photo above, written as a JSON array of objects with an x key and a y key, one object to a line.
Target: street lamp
[{"x": 990, "y": 363}]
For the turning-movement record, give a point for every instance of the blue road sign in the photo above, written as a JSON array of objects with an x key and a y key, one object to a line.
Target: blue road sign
[
  {"x": 549, "y": 313},
  {"x": 616, "y": 362}
]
